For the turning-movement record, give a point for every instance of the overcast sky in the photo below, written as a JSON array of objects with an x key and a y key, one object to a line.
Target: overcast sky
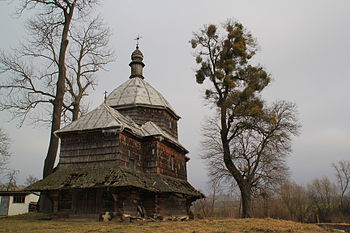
[{"x": 305, "y": 45}]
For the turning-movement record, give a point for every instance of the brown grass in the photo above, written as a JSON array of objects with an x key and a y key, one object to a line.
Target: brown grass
[{"x": 31, "y": 223}]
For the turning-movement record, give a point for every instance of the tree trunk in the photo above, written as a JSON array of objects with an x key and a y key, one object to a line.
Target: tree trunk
[
  {"x": 54, "y": 141},
  {"x": 57, "y": 112},
  {"x": 213, "y": 201},
  {"x": 246, "y": 201},
  {"x": 76, "y": 111},
  {"x": 243, "y": 185},
  {"x": 60, "y": 91}
]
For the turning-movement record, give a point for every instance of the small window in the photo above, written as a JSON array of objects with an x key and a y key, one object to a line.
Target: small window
[
  {"x": 132, "y": 164},
  {"x": 19, "y": 198},
  {"x": 153, "y": 151},
  {"x": 172, "y": 163},
  {"x": 170, "y": 125}
]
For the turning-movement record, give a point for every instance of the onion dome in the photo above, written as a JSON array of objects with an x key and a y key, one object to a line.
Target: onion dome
[{"x": 136, "y": 64}]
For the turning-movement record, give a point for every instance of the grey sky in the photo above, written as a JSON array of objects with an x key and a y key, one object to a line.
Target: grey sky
[{"x": 304, "y": 45}]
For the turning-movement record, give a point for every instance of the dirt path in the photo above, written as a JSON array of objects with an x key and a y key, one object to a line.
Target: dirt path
[{"x": 342, "y": 227}]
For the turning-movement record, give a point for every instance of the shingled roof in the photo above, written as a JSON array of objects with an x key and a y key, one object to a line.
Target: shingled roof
[
  {"x": 103, "y": 117},
  {"x": 113, "y": 177},
  {"x": 137, "y": 92},
  {"x": 151, "y": 129}
]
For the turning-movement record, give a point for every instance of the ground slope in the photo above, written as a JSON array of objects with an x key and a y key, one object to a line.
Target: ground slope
[{"x": 33, "y": 224}]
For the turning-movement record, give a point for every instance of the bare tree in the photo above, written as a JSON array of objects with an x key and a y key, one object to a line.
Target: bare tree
[
  {"x": 29, "y": 89},
  {"x": 258, "y": 151},
  {"x": 342, "y": 169},
  {"x": 295, "y": 197},
  {"x": 215, "y": 191},
  {"x": 44, "y": 68},
  {"x": 31, "y": 180},
  {"x": 88, "y": 54},
  {"x": 4, "y": 149},
  {"x": 59, "y": 14},
  {"x": 201, "y": 207},
  {"x": 323, "y": 194},
  {"x": 11, "y": 183}
]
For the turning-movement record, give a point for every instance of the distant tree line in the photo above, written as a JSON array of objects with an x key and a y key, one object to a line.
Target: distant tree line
[{"x": 319, "y": 201}]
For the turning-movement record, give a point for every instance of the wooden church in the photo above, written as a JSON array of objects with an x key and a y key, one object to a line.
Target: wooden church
[{"x": 124, "y": 157}]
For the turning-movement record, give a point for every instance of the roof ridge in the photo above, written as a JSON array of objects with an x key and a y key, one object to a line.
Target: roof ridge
[
  {"x": 161, "y": 132},
  {"x": 126, "y": 86},
  {"x": 122, "y": 120},
  {"x": 157, "y": 128},
  {"x": 75, "y": 123},
  {"x": 154, "y": 126},
  {"x": 144, "y": 84},
  {"x": 115, "y": 118}
]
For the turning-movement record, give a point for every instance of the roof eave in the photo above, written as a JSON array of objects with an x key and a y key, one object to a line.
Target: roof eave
[
  {"x": 178, "y": 145},
  {"x": 109, "y": 129}
]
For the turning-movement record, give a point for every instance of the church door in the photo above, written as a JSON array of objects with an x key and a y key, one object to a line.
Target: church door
[{"x": 86, "y": 201}]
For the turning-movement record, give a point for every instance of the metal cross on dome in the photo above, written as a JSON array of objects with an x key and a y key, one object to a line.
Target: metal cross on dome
[
  {"x": 105, "y": 96},
  {"x": 138, "y": 40}
]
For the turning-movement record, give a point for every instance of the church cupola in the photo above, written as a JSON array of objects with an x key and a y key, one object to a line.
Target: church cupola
[{"x": 136, "y": 64}]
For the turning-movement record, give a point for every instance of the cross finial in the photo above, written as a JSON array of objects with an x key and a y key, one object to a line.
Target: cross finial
[
  {"x": 137, "y": 41},
  {"x": 105, "y": 95}
]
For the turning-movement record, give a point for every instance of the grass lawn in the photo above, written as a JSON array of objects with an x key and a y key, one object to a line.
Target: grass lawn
[{"x": 31, "y": 223}]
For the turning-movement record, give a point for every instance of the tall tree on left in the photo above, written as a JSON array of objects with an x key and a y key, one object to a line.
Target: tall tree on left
[{"x": 45, "y": 77}]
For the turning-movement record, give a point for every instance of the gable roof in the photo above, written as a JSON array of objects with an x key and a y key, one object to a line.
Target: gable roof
[
  {"x": 151, "y": 129},
  {"x": 103, "y": 117}
]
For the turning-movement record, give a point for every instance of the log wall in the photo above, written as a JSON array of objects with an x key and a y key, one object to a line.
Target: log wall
[
  {"x": 150, "y": 158},
  {"x": 100, "y": 149},
  {"x": 162, "y": 158},
  {"x": 120, "y": 201},
  {"x": 88, "y": 149},
  {"x": 158, "y": 116},
  {"x": 130, "y": 151},
  {"x": 171, "y": 205},
  {"x": 171, "y": 162}
]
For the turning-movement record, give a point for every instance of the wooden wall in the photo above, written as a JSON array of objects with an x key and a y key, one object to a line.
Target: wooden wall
[
  {"x": 171, "y": 205},
  {"x": 97, "y": 149},
  {"x": 150, "y": 158},
  {"x": 162, "y": 158},
  {"x": 160, "y": 117},
  {"x": 88, "y": 149},
  {"x": 120, "y": 201},
  {"x": 130, "y": 151},
  {"x": 171, "y": 161}
]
